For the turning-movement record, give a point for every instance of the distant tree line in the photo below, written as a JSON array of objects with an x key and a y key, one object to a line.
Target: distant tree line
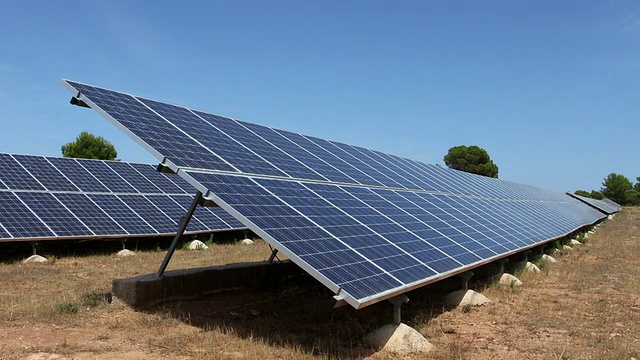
[{"x": 618, "y": 188}]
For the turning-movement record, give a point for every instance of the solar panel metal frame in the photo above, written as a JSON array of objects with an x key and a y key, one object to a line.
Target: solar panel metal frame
[
  {"x": 196, "y": 227},
  {"x": 531, "y": 193}
]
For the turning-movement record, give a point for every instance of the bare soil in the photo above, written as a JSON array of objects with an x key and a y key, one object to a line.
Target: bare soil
[{"x": 587, "y": 306}]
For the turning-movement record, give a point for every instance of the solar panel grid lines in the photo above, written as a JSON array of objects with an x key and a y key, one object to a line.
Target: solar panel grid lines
[
  {"x": 168, "y": 185},
  {"x": 282, "y": 163},
  {"x": 53, "y": 213},
  {"x": 132, "y": 177},
  {"x": 316, "y": 160},
  {"x": 65, "y": 207},
  {"x": 122, "y": 214},
  {"x": 114, "y": 182},
  {"x": 90, "y": 214},
  {"x": 354, "y": 233},
  {"x": 368, "y": 225},
  {"x": 45, "y": 173},
  {"x": 135, "y": 118},
  {"x": 18, "y": 220},
  {"x": 77, "y": 174},
  {"x": 150, "y": 213},
  {"x": 13, "y": 175},
  {"x": 195, "y": 127}
]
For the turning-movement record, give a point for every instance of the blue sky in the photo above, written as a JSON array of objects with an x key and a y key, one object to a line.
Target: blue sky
[{"x": 550, "y": 89}]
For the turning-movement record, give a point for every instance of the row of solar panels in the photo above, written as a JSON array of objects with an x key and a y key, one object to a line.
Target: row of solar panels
[
  {"x": 604, "y": 205},
  {"x": 368, "y": 225},
  {"x": 48, "y": 198},
  {"x": 195, "y": 139}
]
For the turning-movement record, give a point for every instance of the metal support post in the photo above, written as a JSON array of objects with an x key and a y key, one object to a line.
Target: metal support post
[
  {"x": 465, "y": 276},
  {"x": 184, "y": 221},
  {"x": 34, "y": 245},
  {"x": 397, "y": 302},
  {"x": 501, "y": 263},
  {"x": 273, "y": 255}
]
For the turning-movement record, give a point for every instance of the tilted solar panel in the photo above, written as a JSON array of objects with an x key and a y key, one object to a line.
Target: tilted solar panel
[
  {"x": 48, "y": 198},
  {"x": 368, "y": 225},
  {"x": 605, "y": 205}
]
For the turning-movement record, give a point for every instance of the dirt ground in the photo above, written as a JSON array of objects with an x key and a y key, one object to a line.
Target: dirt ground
[{"x": 586, "y": 306}]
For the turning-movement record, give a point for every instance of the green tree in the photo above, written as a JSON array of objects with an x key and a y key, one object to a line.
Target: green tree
[
  {"x": 89, "y": 146},
  {"x": 617, "y": 188},
  {"x": 472, "y": 159},
  {"x": 583, "y": 193},
  {"x": 636, "y": 187},
  {"x": 597, "y": 195}
]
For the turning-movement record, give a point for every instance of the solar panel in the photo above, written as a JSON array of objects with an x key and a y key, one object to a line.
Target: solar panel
[
  {"x": 605, "y": 205},
  {"x": 368, "y": 225},
  {"x": 48, "y": 198},
  {"x": 18, "y": 220},
  {"x": 53, "y": 213},
  {"x": 45, "y": 173},
  {"x": 15, "y": 176}
]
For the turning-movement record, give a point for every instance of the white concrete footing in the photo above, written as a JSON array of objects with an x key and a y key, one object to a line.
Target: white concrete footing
[
  {"x": 464, "y": 298},
  {"x": 509, "y": 280},
  {"x": 398, "y": 339},
  {"x": 531, "y": 267},
  {"x": 35, "y": 259}
]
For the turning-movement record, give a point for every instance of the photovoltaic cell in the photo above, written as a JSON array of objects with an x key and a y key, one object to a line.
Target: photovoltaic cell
[
  {"x": 130, "y": 213},
  {"x": 162, "y": 181},
  {"x": 132, "y": 177},
  {"x": 151, "y": 214},
  {"x": 45, "y": 173},
  {"x": 90, "y": 214},
  {"x": 18, "y": 220},
  {"x": 368, "y": 225},
  {"x": 144, "y": 123},
  {"x": 15, "y": 176},
  {"x": 4, "y": 234},
  {"x": 75, "y": 172},
  {"x": 54, "y": 214},
  {"x": 108, "y": 177}
]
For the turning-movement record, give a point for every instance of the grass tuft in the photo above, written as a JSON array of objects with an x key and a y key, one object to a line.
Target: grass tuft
[{"x": 67, "y": 308}]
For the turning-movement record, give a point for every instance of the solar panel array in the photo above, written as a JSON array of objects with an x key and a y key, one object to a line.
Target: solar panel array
[
  {"x": 366, "y": 224},
  {"x": 605, "y": 205},
  {"x": 49, "y": 198}
]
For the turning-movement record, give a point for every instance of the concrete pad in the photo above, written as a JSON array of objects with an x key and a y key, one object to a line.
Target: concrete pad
[
  {"x": 125, "y": 253},
  {"x": 197, "y": 245},
  {"x": 531, "y": 267},
  {"x": 610, "y": 217},
  {"x": 575, "y": 242},
  {"x": 150, "y": 290},
  {"x": 549, "y": 259},
  {"x": 35, "y": 259},
  {"x": 464, "y": 298},
  {"x": 567, "y": 248},
  {"x": 510, "y": 280},
  {"x": 398, "y": 339}
]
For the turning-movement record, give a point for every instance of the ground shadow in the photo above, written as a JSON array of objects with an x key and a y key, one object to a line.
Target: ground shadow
[{"x": 299, "y": 312}]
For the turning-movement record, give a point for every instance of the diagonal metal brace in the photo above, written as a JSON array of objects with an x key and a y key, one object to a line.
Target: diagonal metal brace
[{"x": 184, "y": 221}]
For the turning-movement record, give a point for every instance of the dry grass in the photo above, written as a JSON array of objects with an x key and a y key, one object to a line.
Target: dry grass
[{"x": 585, "y": 307}]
